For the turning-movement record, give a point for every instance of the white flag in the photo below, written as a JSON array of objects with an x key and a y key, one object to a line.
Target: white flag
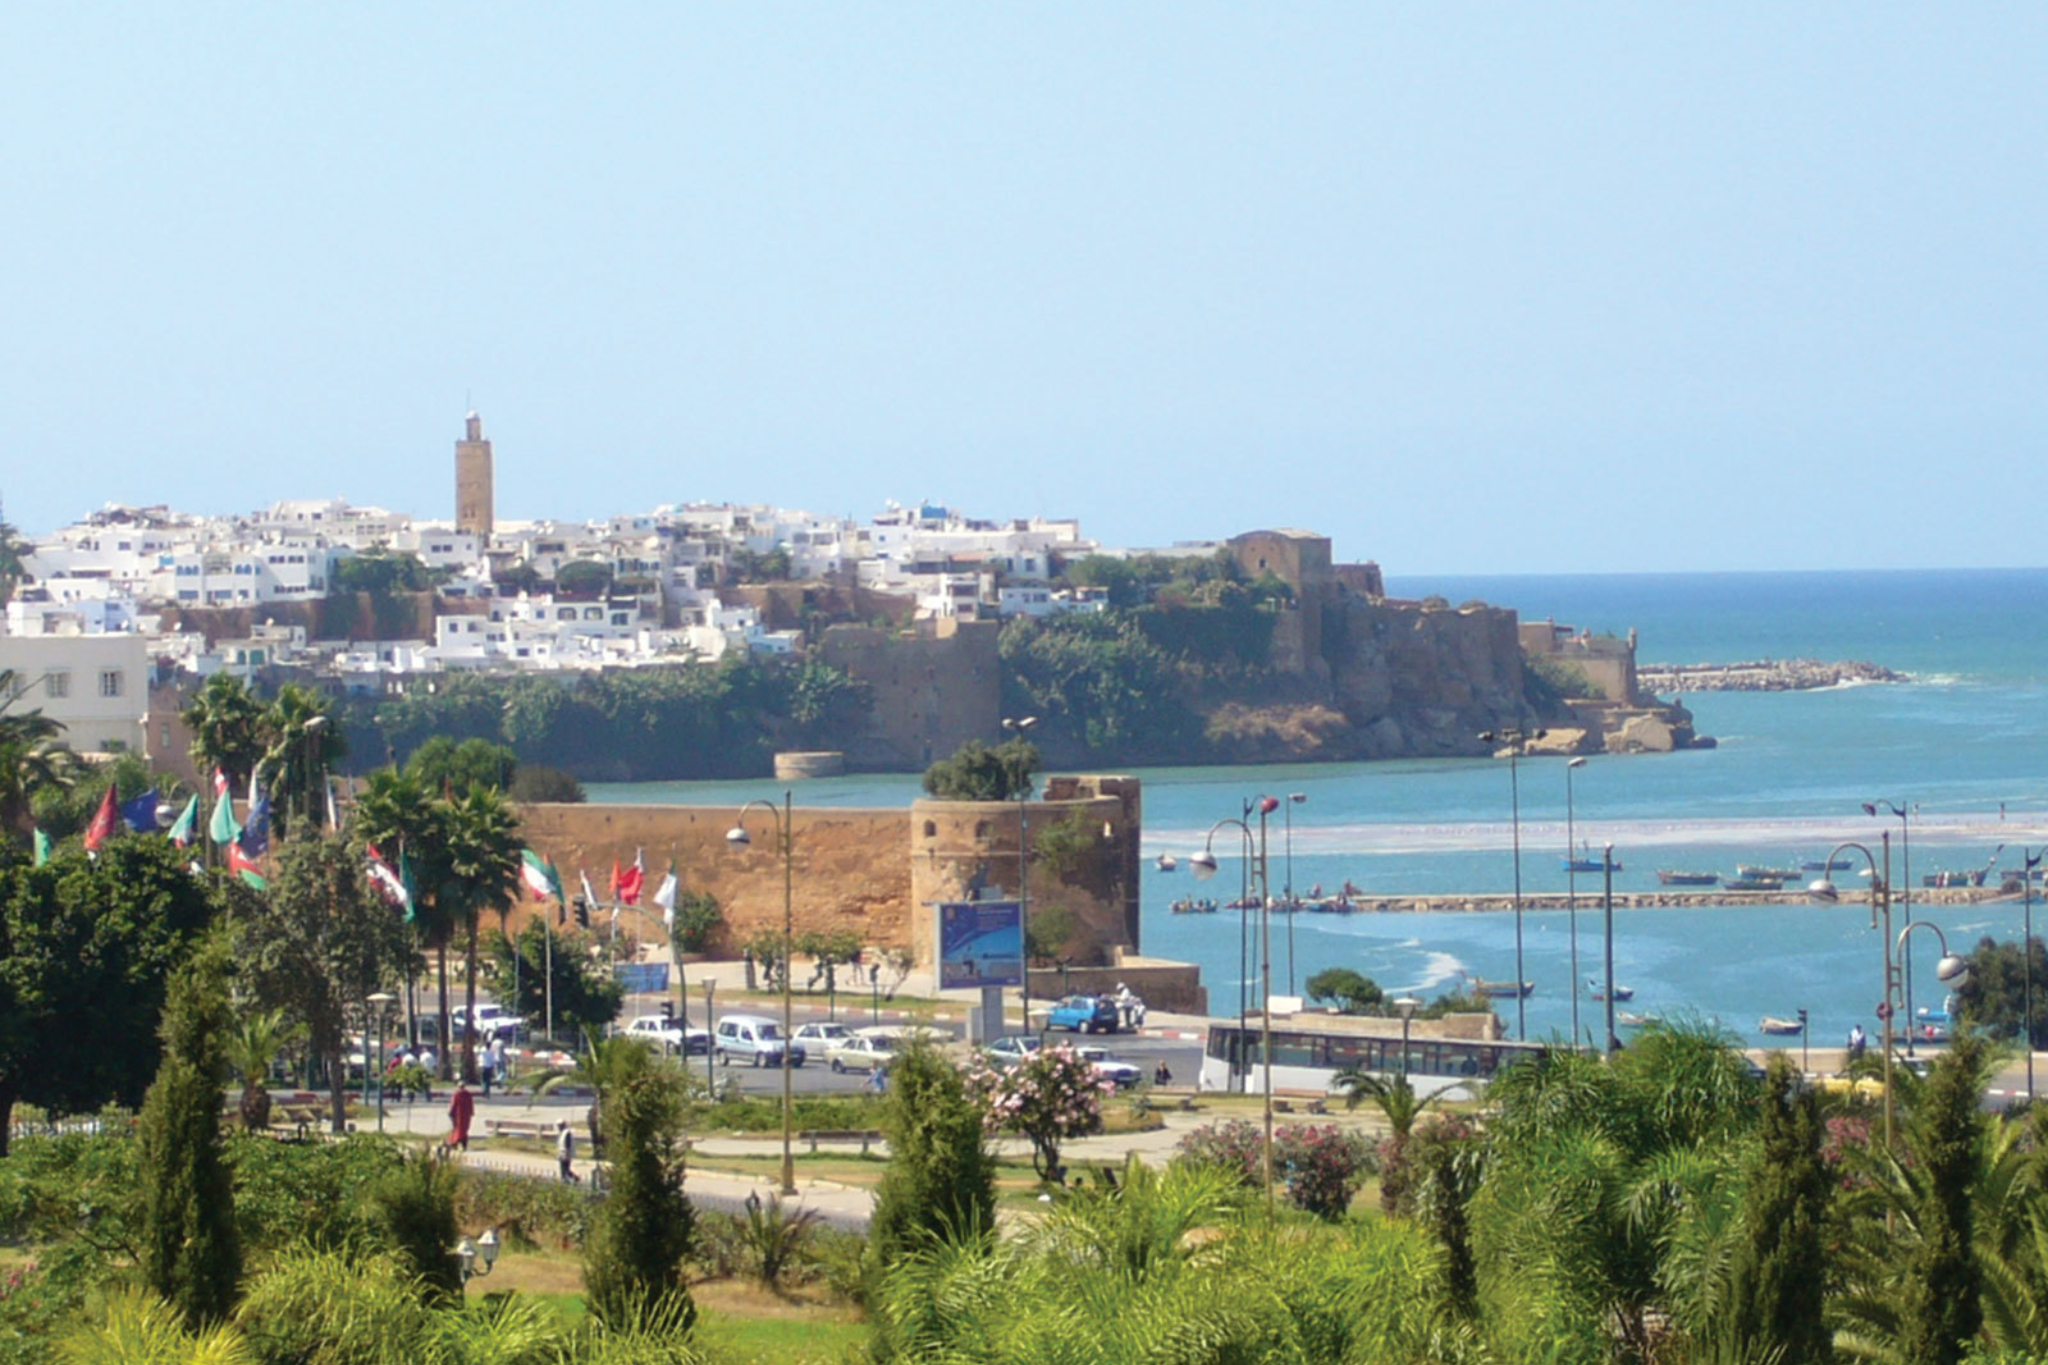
[{"x": 665, "y": 897}]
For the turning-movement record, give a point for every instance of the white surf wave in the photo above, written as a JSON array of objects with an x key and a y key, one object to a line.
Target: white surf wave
[{"x": 1438, "y": 969}]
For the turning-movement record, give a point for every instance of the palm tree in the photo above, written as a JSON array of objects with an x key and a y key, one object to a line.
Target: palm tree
[
  {"x": 11, "y": 548},
  {"x": 1400, "y": 1106},
  {"x": 483, "y": 852},
  {"x": 397, "y": 813},
  {"x": 31, "y": 759},
  {"x": 305, "y": 743},
  {"x": 227, "y": 729},
  {"x": 257, "y": 1040}
]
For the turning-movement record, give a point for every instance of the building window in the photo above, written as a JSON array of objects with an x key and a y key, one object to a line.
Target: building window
[
  {"x": 110, "y": 682},
  {"x": 57, "y": 684}
]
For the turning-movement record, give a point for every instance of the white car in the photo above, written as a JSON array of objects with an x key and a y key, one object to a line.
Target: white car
[
  {"x": 860, "y": 1052},
  {"x": 1122, "y": 1074},
  {"x": 820, "y": 1036},
  {"x": 492, "y": 1021},
  {"x": 670, "y": 1035}
]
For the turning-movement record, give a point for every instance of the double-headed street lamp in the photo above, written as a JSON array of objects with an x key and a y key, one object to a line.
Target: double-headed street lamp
[
  {"x": 1903, "y": 810},
  {"x": 737, "y": 837},
  {"x": 1952, "y": 971},
  {"x": 1204, "y": 865},
  {"x": 1021, "y": 726},
  {"x": 1515, "y": 739},
  {"x": 2028, "y": 862}
]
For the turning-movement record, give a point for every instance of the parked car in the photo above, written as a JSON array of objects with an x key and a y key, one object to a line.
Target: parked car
[
  {"x": 818, "y": 1037},
  {"x": 1012, "y": 1049},
  {"x": 754, "y": 1039},
  {"x": 670, "y": 1035},
  {"x": 492, "y": 1021},
  {"x": 1084, "y": 1014},
  {"x": 1120, "y": 1073}
]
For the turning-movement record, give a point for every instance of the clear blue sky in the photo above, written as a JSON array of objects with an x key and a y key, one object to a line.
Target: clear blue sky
[{"x": 1471, "y": 288}]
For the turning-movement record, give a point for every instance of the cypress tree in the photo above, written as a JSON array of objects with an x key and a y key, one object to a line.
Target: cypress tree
[
  {"x": 190, "y": 1253},
  {"x": 633, "y": 1259},
  {"x": 1774, "y": 1283},
  {"x": 940, "y": 1182},
  {"x": 1941, "y": 1312},
  {"x": 415, "y": 1206}
]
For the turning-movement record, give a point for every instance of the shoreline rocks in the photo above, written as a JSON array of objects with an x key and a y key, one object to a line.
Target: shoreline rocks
[{"x": 1763, "y": 675}]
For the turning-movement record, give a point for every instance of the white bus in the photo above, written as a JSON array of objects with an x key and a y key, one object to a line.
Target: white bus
[{"x": 1458, "y": 1053}]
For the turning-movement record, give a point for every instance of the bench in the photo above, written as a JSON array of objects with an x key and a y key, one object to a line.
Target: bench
[
  {"x": 538, "y": 1129},
  {"x": 864, "y": 1136},
  {"x": 1182, "y": 1097},
  {"x": 1311, "y": 1101}
]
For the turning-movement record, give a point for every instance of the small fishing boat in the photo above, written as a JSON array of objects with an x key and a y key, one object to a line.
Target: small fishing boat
[
  {"x": 1671, "y": 878},
  {"x": 1593, "y": 988},
  {"x": 1500, "y": 989},
  {"x": 1766, "y": 874},
  {"x": 1747, "y": 883},
  {"x": 1816, "y": 865},
  {"x": 1627, "y": 1020},
  {"x": 1585, "y": 862},
  {"x": 1770, "y": 1023},
  {"x": 1166, "y": 863}
]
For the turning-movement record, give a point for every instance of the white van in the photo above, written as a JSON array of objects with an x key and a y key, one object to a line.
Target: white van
[{"x": 753, "y": 1038}]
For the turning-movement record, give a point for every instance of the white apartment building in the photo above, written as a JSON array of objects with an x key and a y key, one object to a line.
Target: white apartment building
[{"x": 97, "y": 686}]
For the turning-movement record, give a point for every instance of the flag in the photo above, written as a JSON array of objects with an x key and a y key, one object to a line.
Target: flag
[
  {"x": 246, "y": 867},
  {"x": 223, "y": 829},
  {"x": 333, "y": 816},
  {"x": 590, "y": 896},
  {"x": 140, "y": 813},
  {"x": 410, "y": 883},
  {"x": 665, "y": 897},
  {"x": 42, "y": 848},
  {"x": 629, "y": 884},
  {"x": 387, "y": 881},
  {"x": 541, "y": 877},
  {"x": 255, "y": 838},
  {"x": 103, "y": 821},
  {"x": 186, "y": 827}
]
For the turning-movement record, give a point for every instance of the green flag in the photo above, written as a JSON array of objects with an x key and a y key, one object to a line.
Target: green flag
[
  {"x": 224, "y": 829},
  {"x": 42, "y": 848},
  {"x": 410, "y": 883},
  {"x": 187, "y": 823}
]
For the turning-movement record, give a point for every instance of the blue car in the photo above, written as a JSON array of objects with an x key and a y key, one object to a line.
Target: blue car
[{"x": 1084, "y": 1014}]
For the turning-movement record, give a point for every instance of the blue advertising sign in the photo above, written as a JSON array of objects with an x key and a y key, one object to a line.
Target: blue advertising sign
[
  {"x": 981, "y": 943},
  {"x": 642, "y": 978}
]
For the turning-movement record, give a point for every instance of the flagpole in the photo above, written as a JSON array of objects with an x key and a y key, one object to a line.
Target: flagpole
[
  {"x": 675, "y": 955},
  {"x": 550, "y": 979}
]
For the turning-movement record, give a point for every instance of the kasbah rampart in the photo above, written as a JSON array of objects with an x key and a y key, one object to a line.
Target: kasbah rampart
[{"x": 1429, "y": 677}]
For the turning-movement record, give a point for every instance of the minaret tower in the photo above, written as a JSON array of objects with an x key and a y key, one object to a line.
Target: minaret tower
[{"x": 473, "y": 509}]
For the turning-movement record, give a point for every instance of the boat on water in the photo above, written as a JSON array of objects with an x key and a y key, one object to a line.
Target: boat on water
[
  {"x": 1585, "y": 862},
  {"x": 1816, "y": 865},
  {"x": 1620, "y": 992},
  {"x": 1767, "y": 874},
  {"x": 1165, "y": 862},
  {"x": 1935, "y": 881},
  {"x": 1194, "y": 907},
  {"x": 1502, "y": 989},
  {"x": 1625, "y": 1019},
  {"x": 1748, "y": 883},
  {"x": 1672, "y": 878},
  {"x": 1770, "y": 1023}
]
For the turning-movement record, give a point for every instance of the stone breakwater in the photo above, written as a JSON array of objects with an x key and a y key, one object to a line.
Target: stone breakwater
[
  {"x": 1641, "y": 900},
  {"x": 1762, "y": 675}
]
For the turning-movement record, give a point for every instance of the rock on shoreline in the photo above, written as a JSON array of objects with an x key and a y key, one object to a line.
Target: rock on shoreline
[{"x": 1762, "y": 675}]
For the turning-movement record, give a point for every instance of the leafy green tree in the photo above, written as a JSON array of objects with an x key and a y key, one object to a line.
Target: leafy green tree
[
  {"x": 228, "y": 729},
  {"x": 1100, "y": 680},
  {"x": 251, "y": 1050},
  {"x": 748, "y": 566},
  {"x": 538, "y": 784},
  {"x": 1350, "y": 991},
  {"x": 304, "y": 743},
  {"x": 86, "y": 947},
  {"x": 484, "y": 855},
  {"x": 191, "y": 1254},
  {"x": 380, "y": 574},
  {"x": 415, "y": 1209},
  {"x": 1775, "y": 1296},
  {"x": 319, "y": 945},
  {"x": 586, "y": 995},
  {"x": 583, "y": 577},
  {"x": 975, "y": 772},
  {"x": 633, "y": 1259},
  {"x": 1940, "y": 1311},
  {"x": 698, "y": 920},
  {"x": 940, "y": 1183},
  {"x": 1994, "y": 999},
  {"x": 62, "y": 811},
  {"x": 444, "y": 765}
]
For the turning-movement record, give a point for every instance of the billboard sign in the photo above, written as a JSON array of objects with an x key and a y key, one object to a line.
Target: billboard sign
[
  {"x": 981, "y": 943},
  {"x": 642, "y": 978}
]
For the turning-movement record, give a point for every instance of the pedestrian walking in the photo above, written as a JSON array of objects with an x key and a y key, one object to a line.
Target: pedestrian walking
[
  {"x": 497, "y": 1054},
  {"x": 483, "y": 1071},
  {"x": 565, "y": 1153},
  {"x": 461, "y": 1109}
]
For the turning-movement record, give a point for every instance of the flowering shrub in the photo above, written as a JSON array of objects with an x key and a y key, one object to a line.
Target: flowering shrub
[
  {"x": 1050, "y": 1097},
  {"x": 1319, "y": 1165}
]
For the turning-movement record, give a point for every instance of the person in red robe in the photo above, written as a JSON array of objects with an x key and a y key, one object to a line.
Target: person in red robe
[{"x": 461, "y": 1109}]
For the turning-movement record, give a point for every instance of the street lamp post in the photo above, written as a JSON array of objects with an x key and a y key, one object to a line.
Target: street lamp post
[
  {"x": 1204, "y": 866},
  {"x": 1405, "y": 1006},
  {"x": 2028, "y": 862},
  {"x": 1904, "y": 811},
  {"x": 1515, "y": 739},
  {"x": 1607, "y": 933},
  {"x": 1293, "y": 907},
  {"x": 1571, "y": 880},
  {"x": 1951, "y": 971},
  {"x": 1020, "y": 726},
  {"x": 784, "y": 818}
]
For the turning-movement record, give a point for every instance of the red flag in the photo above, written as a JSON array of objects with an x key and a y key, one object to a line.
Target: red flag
[
  {"x": 246, "y": 867},
  {"x": 104, "y": 821},
  {"x": 630, "y": 883}
]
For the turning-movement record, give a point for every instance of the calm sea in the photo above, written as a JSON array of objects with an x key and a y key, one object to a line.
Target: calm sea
[{"x": 1964, "y": 746}]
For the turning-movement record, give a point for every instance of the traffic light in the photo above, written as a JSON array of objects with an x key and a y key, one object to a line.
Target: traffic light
[
  {"x": 582, "y": 913},
  {"x": 668, "y": 1011}
]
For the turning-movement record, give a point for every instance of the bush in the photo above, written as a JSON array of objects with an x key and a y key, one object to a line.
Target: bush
[
  {"x": 415, "y": 1207},
  {"x": 940, "y": 1186},
  {"x": 975, "y": 772},
  {"x": 1320, "y": 1166},
  {"x": 775, "y": 1238},
  {"x": 538, "y": 784},
  {"x": 1052, "y": 1096},
  {"x": 528, "y": 1213},
  {"x": 315, "y": 1193},
  {"x": 697, "y": 919}
]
